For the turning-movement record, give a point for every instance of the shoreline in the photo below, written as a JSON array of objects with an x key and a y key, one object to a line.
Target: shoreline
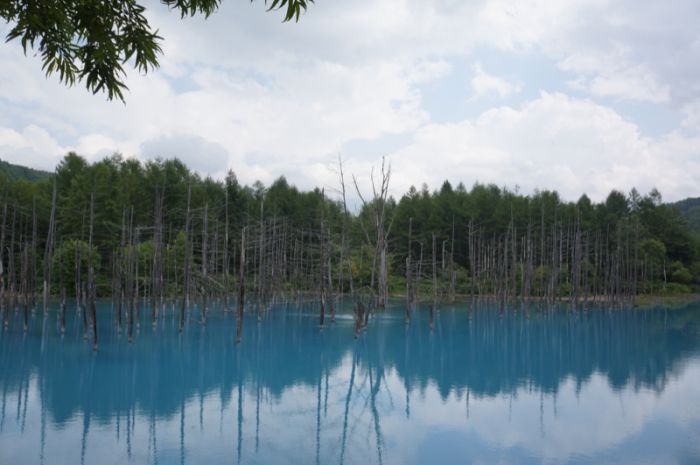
[{"x": 660, "y": 300}]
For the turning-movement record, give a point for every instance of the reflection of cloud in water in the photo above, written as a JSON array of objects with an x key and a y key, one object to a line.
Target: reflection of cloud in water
[{"x": 551, "y": 389}]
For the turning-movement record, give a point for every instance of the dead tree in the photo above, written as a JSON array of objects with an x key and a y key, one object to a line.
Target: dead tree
[
  {"x": 48, "y": 251},
  {"x": 241, "y": 288},
  {"x": 11, "y": 263},
  {"x": 186, "y": 288},
  {"x": 409, "y": 273},
  {"x": 3, "y": 307},
  {"x": 62, "y": 314},
  {"x": 119, "y": 274},
  {"x": 382, "y": 228},
  {"x": 91, "y": 275},
  {"x": 203, "y": 286},
  {"x": 261, "y": 275},
  {"x": 24, "y": 285},
  {"x": 224, "y": 259},
  {"x": 131, "y": 282},
  {"x": 32, "y": 280},
  {"x": 329, "y": 289},
  {"x": 453, "y": 272},
  {"x": 157, "y": 268},
  {"x": 321, "y": 264},
  {"x": 435, "y": 289}
]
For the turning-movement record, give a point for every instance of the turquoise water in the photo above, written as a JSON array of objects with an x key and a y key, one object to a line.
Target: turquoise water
[{"x": 482, "y": 387}]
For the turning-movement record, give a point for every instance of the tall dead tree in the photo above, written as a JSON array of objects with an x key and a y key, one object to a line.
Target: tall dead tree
[
  {"x": 11, "y": 263},
  {"x": 3, "y": 306},
  {"x": 91, "y": 275},
  {"x": 185, "y": 296},
  {"x": 119, "y": 274},
  {"x": 433, "y": 304},
  {"x": 48, "y": 251},
  {"x": 157, "y": 267},
  {"x": 62, "y": 313},
  {"x": 453, "y": 273},
  {"x": 321, "y": 265},
  {"x": 241, "y": 288},
  {"x": 261, "y": 249},
  {"x": 409, "y": 273},
  {"x": 130, "y": 281},
  {"x": 24, "y": 285},
  {"x": 203, "y": 285},
  {"x": 377, "y": 209},
  {"x": 224, "y": 259},
  {"x": 32, "y": 270}
]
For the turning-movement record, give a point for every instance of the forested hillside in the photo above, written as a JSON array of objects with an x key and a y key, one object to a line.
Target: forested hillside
[
  {"x": 10, "y": 172},
  {"x": 124, "y": 228},
  {"x": 690, "y": 209}
]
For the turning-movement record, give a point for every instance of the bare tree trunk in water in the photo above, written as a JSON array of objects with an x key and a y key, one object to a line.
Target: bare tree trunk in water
[
  {"x": 204, "y": 265},
  {"x": 3, "y": 307},
  {"x": 187, "y": 260},
  {"x": 241, "y": 288},
  {"x": 130, "y": 275},
  {"x": 434, "y": 302},
  {"x": 62, "y": 312},
  {"x": 321, "y": 265},
  {"x": 91, "y": 275},
  {"x": 48, "y": 252},
  {"x": 409, "y": 288},
  {"x": 224, "y": 260},
  {"x": 377, "y": 207}
]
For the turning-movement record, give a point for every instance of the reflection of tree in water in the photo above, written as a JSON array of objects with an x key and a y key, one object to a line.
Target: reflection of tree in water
[
  {"x": 493, "y": 353},
  {"x": 487, "y": 354}
]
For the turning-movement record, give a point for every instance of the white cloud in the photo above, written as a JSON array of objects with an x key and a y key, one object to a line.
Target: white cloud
[
  {"x": 283, "y": 99},
  {"x": 691, "y": 112},
  {"x": 613, "y": 75},
  {"x": 33, "y": 146},
  {"x": 574, "y": 145},
  {"x": 483, "y": 84},
  {"x": 204, "y": 156}
]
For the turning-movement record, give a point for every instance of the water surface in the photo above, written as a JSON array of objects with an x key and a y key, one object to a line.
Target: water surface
[{"x": 484, "y": 386}]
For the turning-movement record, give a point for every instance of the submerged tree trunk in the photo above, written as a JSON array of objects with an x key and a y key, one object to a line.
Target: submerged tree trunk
[
  {"x": 409, "y": 273},
  {"x": 433, "y": 304},
  {"x": 48, "y": 251},
  {"x": 186, "y": 261},
  {"x": 321, "y": 265},
  {"x": 203, "y": 287},
  {"x": 3, "y": 306},
  {"x": 224, "y": 259},
  {"x": 241, "y": 288},
  {"x": 91, "y": 275}
]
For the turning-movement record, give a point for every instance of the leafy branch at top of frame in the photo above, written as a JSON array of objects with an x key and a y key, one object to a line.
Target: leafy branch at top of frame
[{"x": 92, "y": 41}]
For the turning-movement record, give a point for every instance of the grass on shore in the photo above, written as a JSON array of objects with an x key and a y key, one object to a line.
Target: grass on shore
[{"x": 666, "y": 300}]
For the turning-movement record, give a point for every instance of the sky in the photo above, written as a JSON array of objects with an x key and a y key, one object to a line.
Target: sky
[{"x": 581, "y": 96}]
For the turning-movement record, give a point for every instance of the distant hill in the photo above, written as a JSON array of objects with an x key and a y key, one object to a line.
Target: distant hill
[
  {"x": 15, "y": 172},
  {"x": 690, "y": 209}
]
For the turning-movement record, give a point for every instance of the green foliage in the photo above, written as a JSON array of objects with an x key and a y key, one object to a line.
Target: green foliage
[
  {"x": 12, "y": 172},
  {"x": 92, "y": 41},
  {"x": 695, "y": 271},
  {"x": 654, "y": 250},
  {"x": 647, "y": 235},
  {"x": 679, "y": 273},
  {"x": 676, "y": 288},
  {"x": 70, "y": 255},
  {"x": 690, "y": 210},
  {"x": 293, "y": 7}
]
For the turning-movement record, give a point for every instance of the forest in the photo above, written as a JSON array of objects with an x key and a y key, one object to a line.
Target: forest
[{"x": 148, "y": 233}]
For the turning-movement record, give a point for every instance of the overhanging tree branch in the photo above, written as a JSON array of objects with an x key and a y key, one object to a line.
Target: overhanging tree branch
[{"x": 92, "y": 41}]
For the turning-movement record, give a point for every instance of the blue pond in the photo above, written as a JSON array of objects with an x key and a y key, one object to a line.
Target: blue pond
[{"x": 484, "y": 386}]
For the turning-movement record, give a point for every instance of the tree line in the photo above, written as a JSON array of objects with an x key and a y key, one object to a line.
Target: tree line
[{"x": 149, "y": 233}]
